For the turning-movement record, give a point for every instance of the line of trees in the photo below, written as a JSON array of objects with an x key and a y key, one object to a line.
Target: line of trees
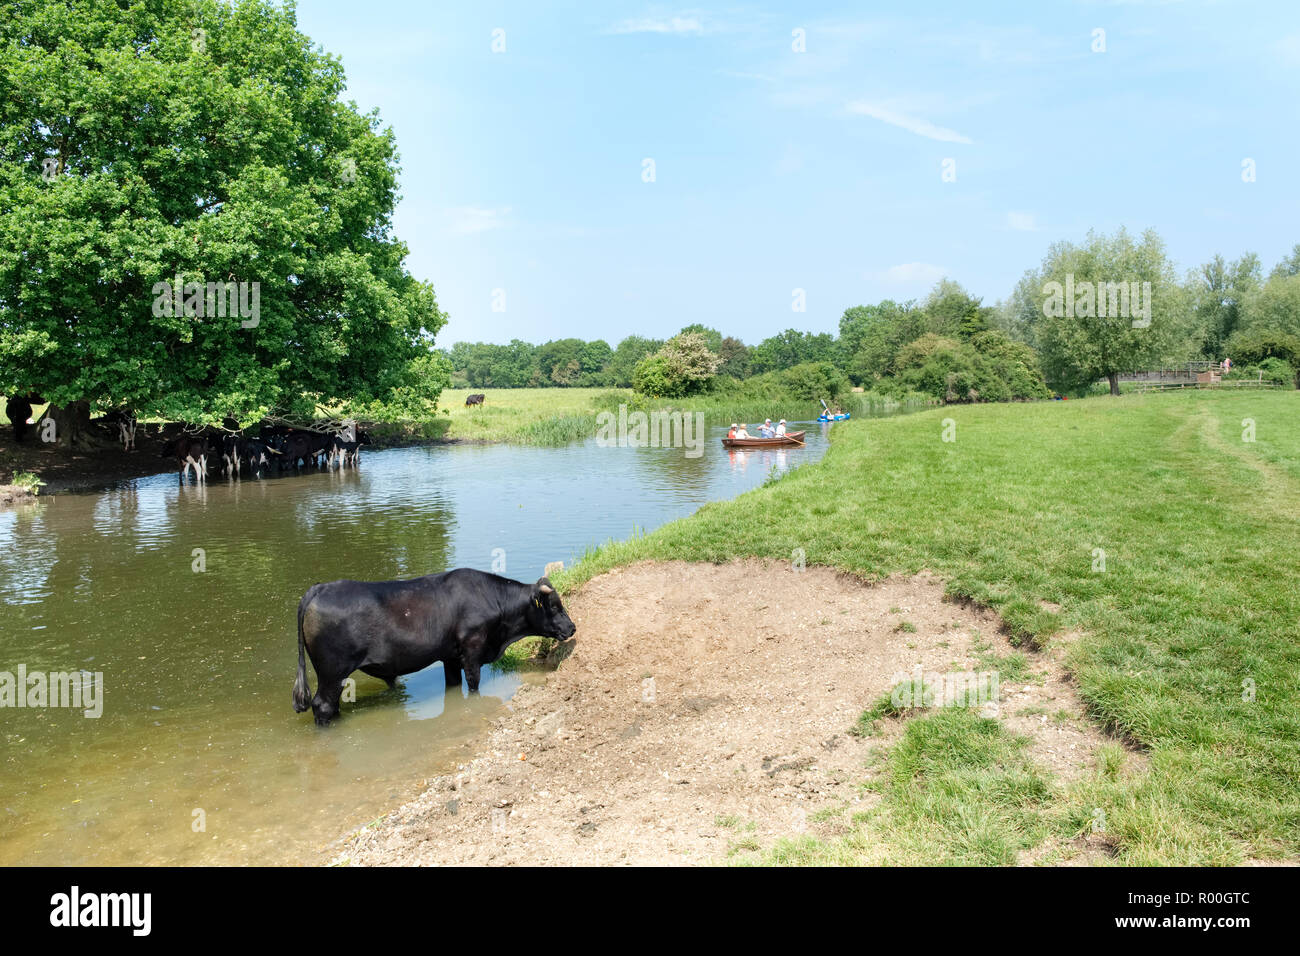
[{"x": 1089, "y": 312}]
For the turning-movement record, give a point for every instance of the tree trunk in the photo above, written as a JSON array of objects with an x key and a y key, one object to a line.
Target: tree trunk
[
  {"x": 1113, "y": 377},
  {"x": 71, "y": 431}
]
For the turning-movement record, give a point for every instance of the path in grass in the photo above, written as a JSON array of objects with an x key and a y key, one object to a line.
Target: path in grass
[{"x": 1168, "y": 543}]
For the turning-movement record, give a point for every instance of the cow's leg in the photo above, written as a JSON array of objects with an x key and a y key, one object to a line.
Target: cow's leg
[
  {"x": 471, "y": 676},
  {"x": 325, "y": 703},
  {"x": 451, "y": 671}
]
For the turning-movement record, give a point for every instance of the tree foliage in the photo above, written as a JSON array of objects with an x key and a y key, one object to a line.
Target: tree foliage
[
  {"x": 1078, "y": 345},
  {"x": 145, "y": 140},
  {"x": 684, "y": 366}
]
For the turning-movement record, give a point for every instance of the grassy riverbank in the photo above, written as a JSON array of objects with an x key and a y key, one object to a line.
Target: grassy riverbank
[{"x": 1182, "y": 638}]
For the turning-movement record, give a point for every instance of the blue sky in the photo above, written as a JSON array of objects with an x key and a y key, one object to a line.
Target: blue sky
[{"x": 820, "y": 170}]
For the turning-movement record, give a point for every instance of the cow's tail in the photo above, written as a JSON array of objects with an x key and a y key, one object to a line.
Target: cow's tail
[{"x": 301, "y": 692}]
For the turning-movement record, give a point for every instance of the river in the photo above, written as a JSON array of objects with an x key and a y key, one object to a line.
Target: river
[{"x": 183, "y": 600}]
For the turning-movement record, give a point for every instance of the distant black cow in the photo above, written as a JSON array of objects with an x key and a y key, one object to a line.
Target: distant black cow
[
  {"x": 189, "y": 451},
  {"x": 123, "y": 420},
  {"x": 18, "y": 409},
  {"x": 477, "y": 399},
  {"x": 296, "y": 450},
  {"x": 258, "y": 455},
  {"x": 232, "y": 454},
  {"x": 305, "y": 448},
  {"x": 464, "y": 618}
]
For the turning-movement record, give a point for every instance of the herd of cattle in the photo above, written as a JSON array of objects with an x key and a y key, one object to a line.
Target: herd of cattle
[{"x": 277, "y": 448}]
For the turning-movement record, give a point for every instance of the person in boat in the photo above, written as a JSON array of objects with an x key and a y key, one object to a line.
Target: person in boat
[
  {"x": 741, "y": 433},
  {"x": 780, "y": 428},
  {"x": 766, "y": 430},
  {"x": 732, "y": 433}
]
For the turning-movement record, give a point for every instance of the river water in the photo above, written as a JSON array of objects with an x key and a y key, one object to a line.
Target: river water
[{"x": 183, "y": 600}]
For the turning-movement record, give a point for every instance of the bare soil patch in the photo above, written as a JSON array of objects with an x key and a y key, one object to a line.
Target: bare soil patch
[{"x": 705, "y": 705}]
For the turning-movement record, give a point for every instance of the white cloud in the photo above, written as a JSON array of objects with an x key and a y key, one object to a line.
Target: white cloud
[
  {"x": 910, "y": 123},
  {"x": 470, "y": 220},
  {"x": 1022, "y": 222},
  {"x": 913, "y": 272},
  {"x": 686, "y": 25}
]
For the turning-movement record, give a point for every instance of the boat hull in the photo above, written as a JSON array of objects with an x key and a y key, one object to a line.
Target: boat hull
[{"x": 793, "y": 438}]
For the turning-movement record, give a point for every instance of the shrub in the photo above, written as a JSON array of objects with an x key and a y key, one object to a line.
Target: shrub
[
  {"x": 1255, "y": 346},
  {"x": 684, "y": 366},
  {"x": 989, "y": 368}
]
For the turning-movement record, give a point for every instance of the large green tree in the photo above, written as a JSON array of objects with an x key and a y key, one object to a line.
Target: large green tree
[
  {"x": 1109, "y": 306},
  {"x": 793, "y": 347},
  {"x": 145, "y": 140},
  {"x": 1218, "y": 291},
  {"x": 872, "y": 335},
  {"x": 1274, "y": 307}
]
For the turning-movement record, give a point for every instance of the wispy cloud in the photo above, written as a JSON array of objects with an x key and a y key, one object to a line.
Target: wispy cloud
[
  {"x": 687, "y": 25},
  {"x": 912, "y": 124},
  {"x": 470, "y": 220},
  {"x": 913, "y": 272},
  {"x": 1022, "y": 221}
]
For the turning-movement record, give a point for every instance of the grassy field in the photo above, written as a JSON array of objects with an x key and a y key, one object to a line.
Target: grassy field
[
  {"x": 1183, "y": 638},
  {"x": 528, "y": 415}
]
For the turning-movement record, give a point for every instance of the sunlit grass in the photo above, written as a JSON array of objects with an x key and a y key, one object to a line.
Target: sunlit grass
[
  {"x": 540, "y": 416},
  {"x": 1169, "y": 544}
]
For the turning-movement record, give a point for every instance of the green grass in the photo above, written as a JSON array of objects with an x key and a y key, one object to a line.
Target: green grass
[
  {"x": 533, "y": 416},
  {"x": 958, "y": 790},
  {"x": 1187, "y": 643}
]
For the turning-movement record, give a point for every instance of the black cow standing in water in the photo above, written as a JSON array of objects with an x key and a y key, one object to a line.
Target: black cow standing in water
[
  {"x": 18, "y": 409},
  {"x": 464, "y": 618}
]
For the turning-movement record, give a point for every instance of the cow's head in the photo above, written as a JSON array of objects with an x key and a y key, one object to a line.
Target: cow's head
[{"x": 546, "y": 614}]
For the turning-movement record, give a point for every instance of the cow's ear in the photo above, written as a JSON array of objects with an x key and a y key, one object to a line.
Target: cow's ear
[{"x": 544, "y": 585}]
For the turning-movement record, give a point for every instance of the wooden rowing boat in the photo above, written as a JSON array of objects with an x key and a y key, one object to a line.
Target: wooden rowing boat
[{"x": 789, "y": 438}]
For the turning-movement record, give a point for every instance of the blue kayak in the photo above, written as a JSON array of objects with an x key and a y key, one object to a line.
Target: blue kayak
[{"x": 834, "y": 418}]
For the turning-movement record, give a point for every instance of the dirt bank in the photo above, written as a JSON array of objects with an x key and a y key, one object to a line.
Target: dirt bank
[
  {"x": 706, "y": 703},
  {"x": 15, "y": 494}
]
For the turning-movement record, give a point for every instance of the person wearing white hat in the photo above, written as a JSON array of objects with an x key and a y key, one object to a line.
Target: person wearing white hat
[
  {"x": 780, "y": 428},
  {"x": 766, "y": 430}
]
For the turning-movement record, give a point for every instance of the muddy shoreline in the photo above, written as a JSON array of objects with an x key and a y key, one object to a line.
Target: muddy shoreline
[{"x": 704, "y": 715}]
